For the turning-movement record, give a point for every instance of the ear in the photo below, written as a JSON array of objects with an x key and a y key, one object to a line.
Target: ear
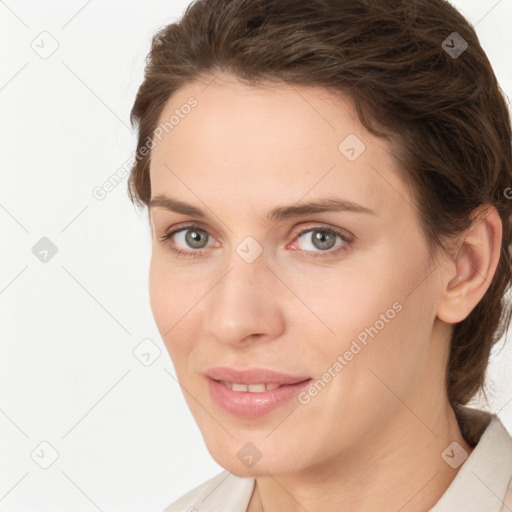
[{"x": 467, "y": 276}]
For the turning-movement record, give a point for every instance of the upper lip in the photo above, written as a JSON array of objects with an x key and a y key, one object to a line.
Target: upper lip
[{"x": 253, "y": 376}]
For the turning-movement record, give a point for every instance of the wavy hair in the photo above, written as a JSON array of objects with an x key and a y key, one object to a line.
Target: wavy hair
[{"x": 443, "y": 114}]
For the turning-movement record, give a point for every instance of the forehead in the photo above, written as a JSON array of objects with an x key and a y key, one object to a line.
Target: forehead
[{"x": 269, "y": 144}]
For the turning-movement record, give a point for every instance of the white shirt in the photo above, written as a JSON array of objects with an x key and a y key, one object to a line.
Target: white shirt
[{"x": 482, "y": 484}]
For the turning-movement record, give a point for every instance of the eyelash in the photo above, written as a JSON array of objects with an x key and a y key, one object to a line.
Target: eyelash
[{"x": 309, "y": 254}]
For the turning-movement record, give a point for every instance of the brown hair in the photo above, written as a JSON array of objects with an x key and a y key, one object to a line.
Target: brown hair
[{"x": 443, "y": 114}]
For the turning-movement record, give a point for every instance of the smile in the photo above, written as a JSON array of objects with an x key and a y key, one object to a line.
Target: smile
[{"x": 251, "y": 388}]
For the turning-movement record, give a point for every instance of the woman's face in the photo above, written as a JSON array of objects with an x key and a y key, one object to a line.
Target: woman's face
[{"x": 353, "y": 308}]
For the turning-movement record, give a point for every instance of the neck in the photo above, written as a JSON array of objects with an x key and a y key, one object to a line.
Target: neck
[{"x": 406, "y": 449}]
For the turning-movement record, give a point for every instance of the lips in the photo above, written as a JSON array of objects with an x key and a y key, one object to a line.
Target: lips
[
  {"x": 250, "y": 401},
  {"x": 253, "y": 376}
]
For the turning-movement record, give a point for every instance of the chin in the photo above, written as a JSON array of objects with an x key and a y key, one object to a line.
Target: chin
[
  {"x": 263, "y": 467},
  {"x": 244, "y": 472}
]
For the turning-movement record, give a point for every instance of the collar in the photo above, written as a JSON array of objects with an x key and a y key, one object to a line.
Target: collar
[{"x": 484, "y": 481}]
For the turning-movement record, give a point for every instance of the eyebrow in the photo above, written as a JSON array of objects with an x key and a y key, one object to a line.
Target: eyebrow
[{"x": 276, "y": 214}]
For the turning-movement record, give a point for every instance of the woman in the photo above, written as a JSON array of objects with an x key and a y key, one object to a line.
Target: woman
[{"x": 326, "y": 183}]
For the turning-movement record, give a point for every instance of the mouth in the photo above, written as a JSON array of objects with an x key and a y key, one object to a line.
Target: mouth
[
  {"x": 254, "y": 380},
  {"x": 255, "y": 399},
  {"x": 255, "y": 388}
]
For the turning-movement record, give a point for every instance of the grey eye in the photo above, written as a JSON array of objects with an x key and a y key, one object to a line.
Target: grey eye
[
  {"x": 320, "y": 239},
  {"x": 193, "y": 238}
]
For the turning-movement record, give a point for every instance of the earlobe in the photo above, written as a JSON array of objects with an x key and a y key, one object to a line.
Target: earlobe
[{"x": 467, "y": 277}]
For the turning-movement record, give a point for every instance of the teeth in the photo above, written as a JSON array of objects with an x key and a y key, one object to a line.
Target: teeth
[{"x": 252, "y": 388}]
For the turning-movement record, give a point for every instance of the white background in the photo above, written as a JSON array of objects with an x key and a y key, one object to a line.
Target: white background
[{"x": 124, "y": 435}]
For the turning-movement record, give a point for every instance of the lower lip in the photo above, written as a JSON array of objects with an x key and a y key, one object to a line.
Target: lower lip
[{"x": 252, "y": 405}]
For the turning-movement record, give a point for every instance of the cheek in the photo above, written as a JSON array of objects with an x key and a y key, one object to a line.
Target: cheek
[
  {"x": 380, "y": 314},
  {"x": 167, "y": 301},
  {"x": 393, "y": 331},
  {"x": 352, "y": 300},
  {"x": 159, "y": 299}
]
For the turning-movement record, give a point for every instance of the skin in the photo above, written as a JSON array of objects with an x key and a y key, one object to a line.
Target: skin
[{"x": 372, "y": 438}]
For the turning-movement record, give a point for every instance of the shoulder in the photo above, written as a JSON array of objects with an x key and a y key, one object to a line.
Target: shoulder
[{"x": 220, "y": 491}]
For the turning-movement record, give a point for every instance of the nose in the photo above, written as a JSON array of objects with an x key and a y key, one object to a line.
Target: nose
[{"x": 248, "y": 303}]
